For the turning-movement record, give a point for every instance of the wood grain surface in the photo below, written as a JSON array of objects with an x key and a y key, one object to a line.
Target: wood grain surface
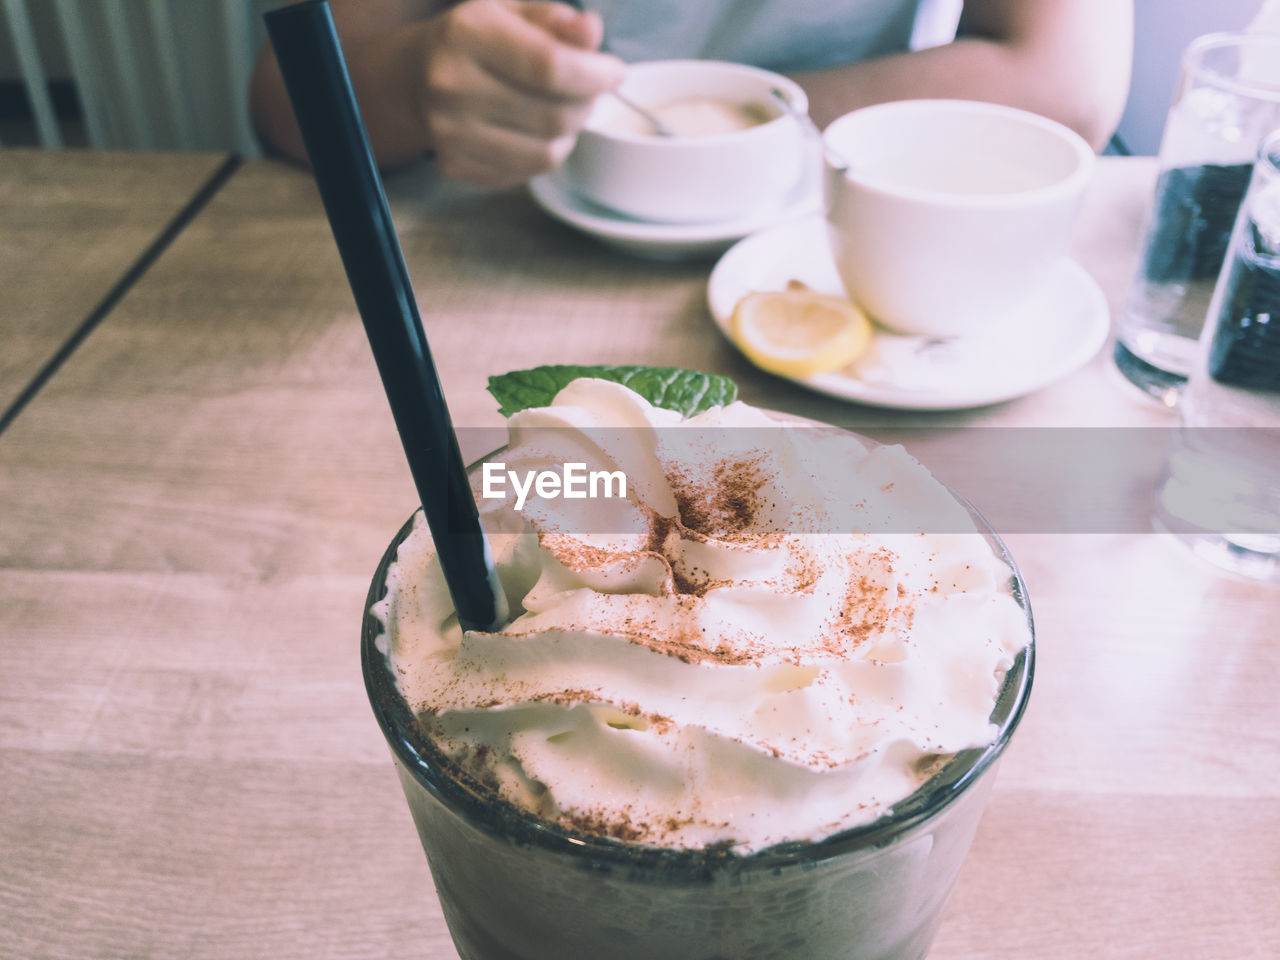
[
  {"x": 72, "y": 222},
  {"x": 194, "y": 504}
]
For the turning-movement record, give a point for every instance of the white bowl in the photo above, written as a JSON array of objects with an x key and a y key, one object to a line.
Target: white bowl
[
  {"x": 686, "y": 178},
  {"x": 951, "y": 213}
]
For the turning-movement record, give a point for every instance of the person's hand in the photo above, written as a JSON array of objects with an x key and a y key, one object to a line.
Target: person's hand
[{"x": 507, "y": 85}]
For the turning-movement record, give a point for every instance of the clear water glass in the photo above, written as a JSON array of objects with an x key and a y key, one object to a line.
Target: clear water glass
[
  {"x": 1228, "y": 99},
  {"x": 1220, "y": 489}
]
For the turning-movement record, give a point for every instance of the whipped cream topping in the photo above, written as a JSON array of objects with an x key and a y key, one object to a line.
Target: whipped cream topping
[{"x": 763, "y": 642}]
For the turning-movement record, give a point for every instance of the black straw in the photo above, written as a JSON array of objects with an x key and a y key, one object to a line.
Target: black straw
[{"x": 324, "y": 103}]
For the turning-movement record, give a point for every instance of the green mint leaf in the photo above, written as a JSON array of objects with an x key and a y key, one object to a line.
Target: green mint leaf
[{"x": 685, "y": 391}]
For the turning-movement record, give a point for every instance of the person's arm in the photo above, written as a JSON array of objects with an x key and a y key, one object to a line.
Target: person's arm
[
  {"x": 496, "y": 88},
  {"x": 1065, "y": 59}
]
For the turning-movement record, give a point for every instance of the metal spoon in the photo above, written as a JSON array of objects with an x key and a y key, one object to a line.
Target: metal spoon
[
  {"x": 837, "y": 162},
  {"x": 659, "y": 128}
]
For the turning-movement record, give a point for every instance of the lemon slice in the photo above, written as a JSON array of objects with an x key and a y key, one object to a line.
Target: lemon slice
[{"x": 797, "y": 332}]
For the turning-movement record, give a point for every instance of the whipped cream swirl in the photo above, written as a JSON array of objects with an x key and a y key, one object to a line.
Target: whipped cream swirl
[{"x": 762, "y": 642}]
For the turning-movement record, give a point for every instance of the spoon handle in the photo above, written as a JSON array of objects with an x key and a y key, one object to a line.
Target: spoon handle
[
  {"x": 660, "y": 128},
  {"x": 838, "y": 163}
]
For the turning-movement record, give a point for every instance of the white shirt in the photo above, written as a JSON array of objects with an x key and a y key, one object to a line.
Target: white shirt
[{"x": 780, "y": 35}]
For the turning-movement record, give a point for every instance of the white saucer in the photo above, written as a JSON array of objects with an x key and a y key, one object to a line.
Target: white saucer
[
  {"x": 665, "y": 241},
  {"x": 1060, "y": 333}
]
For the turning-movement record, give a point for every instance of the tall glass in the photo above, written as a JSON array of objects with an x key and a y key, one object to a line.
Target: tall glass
[
  {"x": 513, "y": 887},
  {"x": 1220, "y": 491},
  {"x": 1228, "y": 99}
]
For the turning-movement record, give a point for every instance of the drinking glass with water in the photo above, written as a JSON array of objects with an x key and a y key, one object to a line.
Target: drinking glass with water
[
  {"x": 1220, "y": 491},
  {"x": 1228, "y": 100}
]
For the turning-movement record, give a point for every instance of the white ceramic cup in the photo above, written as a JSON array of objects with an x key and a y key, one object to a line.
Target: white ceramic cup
[
  {"x": 619, "y": 165},
  {"x": 950, "y": 212}
]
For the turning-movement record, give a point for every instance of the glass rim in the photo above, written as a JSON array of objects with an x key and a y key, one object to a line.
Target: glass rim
[
  {"x": 475, "y": 803},
  {"x": 1192, "y": 62},
  {"x": 1269, "y": 151}
]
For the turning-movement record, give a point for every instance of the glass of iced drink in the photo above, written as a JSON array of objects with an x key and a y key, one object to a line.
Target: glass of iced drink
[
  {"x": 1228, "y": 99},
  {"x": 754, "y": 735}
]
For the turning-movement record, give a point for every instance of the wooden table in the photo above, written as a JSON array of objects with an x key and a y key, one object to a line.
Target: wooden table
[
  {"x": 73, "y": 226},
  {"x": 194, "y": 502}
]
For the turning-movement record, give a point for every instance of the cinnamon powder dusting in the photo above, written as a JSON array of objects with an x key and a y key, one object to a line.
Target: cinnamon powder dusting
[
  {"x": 727, "y": 505},
  {"x": 579, "y": 556},
  {"x": 690, "y": 646},
  {"x": 565, "y": 698},
  {"x": 597, "y": 825},
  {"x": 866, "y": 611}
]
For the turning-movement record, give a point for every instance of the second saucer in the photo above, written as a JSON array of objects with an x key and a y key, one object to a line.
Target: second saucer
[{"x": 666, "y": 241}]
